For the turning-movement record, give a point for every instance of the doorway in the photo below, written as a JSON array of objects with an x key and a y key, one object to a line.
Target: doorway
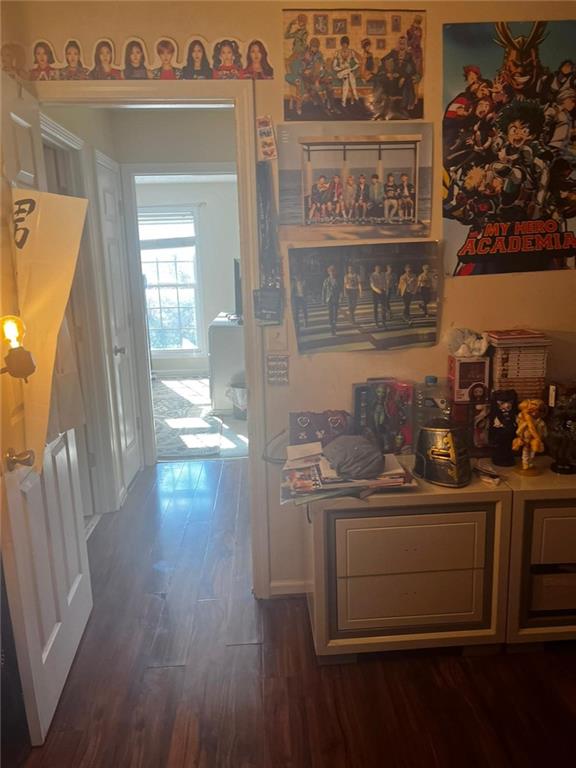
[{"x": 189, "y": 256}]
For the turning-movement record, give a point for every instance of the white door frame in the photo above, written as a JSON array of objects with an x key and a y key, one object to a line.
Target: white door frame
[
  {"x": 142, "y": 352},
  {"x": 89, "y": 299},
  {"x": 240, "y": 94}
]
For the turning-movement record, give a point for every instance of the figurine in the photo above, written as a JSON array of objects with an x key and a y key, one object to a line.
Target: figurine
[
  {"x": 530, "y": 432},
  {"x": 562, "y": 437},
  {"x": 502, "y": 426}
]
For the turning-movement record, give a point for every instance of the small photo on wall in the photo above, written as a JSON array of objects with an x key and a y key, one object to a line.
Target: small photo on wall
[
  {"x": 339, "y": 26},
  {"x": 350, "y": 298},
  {"x": 321, "y": 26},
  {"x": 338, "y": 182},
  {"x": 376, "y": 27}
]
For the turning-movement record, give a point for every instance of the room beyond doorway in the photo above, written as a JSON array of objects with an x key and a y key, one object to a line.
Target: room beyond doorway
[
  {"x": 189, "y": 254},
  {"x": 186, "y": 427}
]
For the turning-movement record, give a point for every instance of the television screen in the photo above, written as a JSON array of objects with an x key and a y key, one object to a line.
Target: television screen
[{"x": 237, "y": 289}]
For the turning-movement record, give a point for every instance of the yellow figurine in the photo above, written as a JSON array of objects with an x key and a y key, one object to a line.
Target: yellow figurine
[{"x": 530, "y": 432}]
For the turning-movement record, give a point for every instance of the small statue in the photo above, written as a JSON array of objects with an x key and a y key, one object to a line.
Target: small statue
[
  {"x": 530, "y": 432},
  {"x": 502, "y": 426}
]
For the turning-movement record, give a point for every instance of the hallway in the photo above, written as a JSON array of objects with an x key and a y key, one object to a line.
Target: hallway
[{"x": 181, "y": 668}]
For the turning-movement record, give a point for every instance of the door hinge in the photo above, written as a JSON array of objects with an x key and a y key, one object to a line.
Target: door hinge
[
  {"x": 121, "y": 207},
  {"x": 138, "y": 423},
  {"x": 91, "y": 460}
]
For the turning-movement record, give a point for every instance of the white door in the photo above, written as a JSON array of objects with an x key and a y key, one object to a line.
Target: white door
[
  {"x": 121, "y": 342},
  {"x": 43, "y": 543}
]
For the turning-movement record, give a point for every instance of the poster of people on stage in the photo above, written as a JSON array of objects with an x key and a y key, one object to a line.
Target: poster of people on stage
[
  {"x": 340, "y": 180},
  {"x": 509, "y": 147},
  {"x": 353, "y": 64},
  {"x": 349, "y": 298}
]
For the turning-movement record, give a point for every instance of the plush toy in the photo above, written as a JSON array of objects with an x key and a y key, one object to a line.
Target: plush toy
[
  {"x": 464, "y": 342},
  {"x": 530, "y": 432}
]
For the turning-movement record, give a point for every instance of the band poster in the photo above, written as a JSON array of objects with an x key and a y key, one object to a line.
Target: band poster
[
  {"x": 509, "y": 147},
  {"x": 353, "y": 64}
]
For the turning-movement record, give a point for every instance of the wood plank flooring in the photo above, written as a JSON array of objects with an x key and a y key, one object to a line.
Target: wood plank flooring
[{"x": 180, "y": 667}]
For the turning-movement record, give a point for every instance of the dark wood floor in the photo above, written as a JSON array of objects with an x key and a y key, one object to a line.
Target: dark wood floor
[{"x": 179, "y": 666}]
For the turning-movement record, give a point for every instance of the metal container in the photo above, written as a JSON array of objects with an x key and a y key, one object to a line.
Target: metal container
[{"x": 442, "y": 455}]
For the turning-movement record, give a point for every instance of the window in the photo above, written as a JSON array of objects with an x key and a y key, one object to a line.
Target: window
[{"x": 170, "y": 271}]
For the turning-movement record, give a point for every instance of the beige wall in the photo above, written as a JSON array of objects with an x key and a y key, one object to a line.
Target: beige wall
[
  {"x": 540, "y": 300},
  {"x": 174, "y": 136}
]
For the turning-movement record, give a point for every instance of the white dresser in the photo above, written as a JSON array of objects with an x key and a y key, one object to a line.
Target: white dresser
[{"x": 433, "y": 566}]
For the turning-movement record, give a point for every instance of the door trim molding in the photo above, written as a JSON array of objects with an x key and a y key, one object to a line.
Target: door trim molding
[
  {"x": 89, "y": 309},
  {"x": 240, "y": 94}
]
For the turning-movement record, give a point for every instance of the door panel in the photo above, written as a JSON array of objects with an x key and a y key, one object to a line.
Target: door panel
[
  {"x": 129, "y": 455},
  {"x": 43, "y": 547}
]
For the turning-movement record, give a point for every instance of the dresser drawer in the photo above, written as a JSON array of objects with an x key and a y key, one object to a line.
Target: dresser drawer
[
  {"x": 410, "y": 543},
  {"x": 554, "y": 535},
  {"x": 554, "y": 592},
  {"x": 410, "y": 599}
]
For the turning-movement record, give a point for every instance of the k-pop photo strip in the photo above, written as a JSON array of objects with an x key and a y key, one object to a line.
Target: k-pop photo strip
[
  {"x": 509, "y": 146},
  {"x": 225, "y": 59},
  {"x": 336, "y": 181},
  {"x": 350, "y": 298},
  {"x": 353, "y": 65}
]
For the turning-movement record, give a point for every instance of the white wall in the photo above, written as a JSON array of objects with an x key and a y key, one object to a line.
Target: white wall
[{"x": 218, "y": 246}]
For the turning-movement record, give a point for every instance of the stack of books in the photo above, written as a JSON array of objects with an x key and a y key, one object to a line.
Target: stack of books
[
  {"x": 307, "y": 476},
  {"x": 519, "y": 361}
]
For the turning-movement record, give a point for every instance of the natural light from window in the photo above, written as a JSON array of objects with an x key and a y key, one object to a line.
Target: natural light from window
[{"x": 170, "y": 273}]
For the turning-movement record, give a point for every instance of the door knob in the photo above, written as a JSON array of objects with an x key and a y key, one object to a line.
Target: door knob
[
  {"x": 24, "y": 457},
  {"x": 119, "y": 350}
]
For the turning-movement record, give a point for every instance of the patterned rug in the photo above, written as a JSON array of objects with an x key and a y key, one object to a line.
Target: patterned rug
[{"x": 184, "y": 424}]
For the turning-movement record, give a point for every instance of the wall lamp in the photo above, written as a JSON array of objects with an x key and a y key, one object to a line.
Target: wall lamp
[{"x": 19, "y": 362}]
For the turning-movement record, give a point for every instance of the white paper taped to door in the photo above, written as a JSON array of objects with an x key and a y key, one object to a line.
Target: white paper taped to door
[{"x": 47, "y": 233}]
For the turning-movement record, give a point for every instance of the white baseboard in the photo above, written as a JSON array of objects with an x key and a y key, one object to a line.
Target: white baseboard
[{"x": 280, "y": 587}]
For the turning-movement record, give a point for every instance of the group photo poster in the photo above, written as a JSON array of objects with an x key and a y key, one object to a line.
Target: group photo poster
[
  {"x": 509, "y": 147},
  {"x": 350, "y": 298},
  {"x": 353, "y": 64},
  {"x": 340, "y": 180}
]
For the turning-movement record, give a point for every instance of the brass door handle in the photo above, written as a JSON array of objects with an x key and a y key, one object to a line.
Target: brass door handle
[{"x": 13, "y": 459}]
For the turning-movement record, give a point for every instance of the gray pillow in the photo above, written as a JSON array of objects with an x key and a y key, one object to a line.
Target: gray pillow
[{"x": 354, "y": 457}]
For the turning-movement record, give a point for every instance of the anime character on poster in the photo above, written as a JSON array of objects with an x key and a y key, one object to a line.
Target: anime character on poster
[
  {"x": 509, "y": 147},
  {"x": 104, "y": 68},
  {"x": 530, "y": 433},
  {"x": 44, "y": 59}
]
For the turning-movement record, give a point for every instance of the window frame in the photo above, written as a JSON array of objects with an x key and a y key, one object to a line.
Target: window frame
[{"x": 201, "y": 350}]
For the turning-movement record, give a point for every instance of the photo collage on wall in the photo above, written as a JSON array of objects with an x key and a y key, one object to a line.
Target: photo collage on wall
[
  {"x": 355, "y": 166},
  {"x": 509, "y": 146},
  {"x": 197, "y": 59},
  {"x": 353, "y": 65}
]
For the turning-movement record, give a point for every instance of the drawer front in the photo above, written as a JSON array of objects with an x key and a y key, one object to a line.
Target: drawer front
[
  {"x": 410, "y": 543},
  {"x": 412, "y": 599},
  {"x": 554, "y": 535},
  {"x": 554, "y": 592}
]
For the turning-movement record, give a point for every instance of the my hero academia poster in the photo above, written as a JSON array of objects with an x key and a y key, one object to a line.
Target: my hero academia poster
[{"x": 509, "y": 146}]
